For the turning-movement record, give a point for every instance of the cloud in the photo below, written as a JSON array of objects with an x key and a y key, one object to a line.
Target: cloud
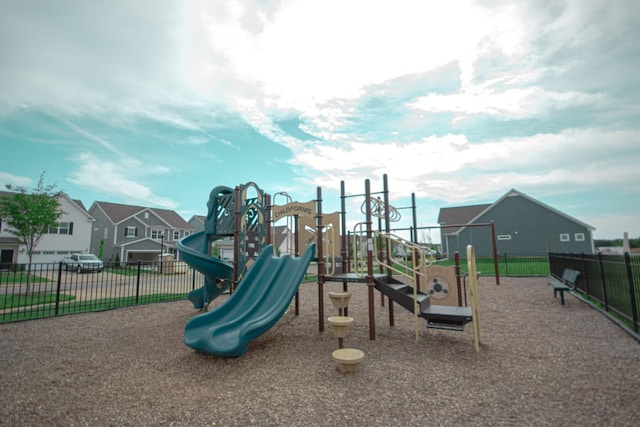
[
  {"x": 451, "y": 169},
  {"x": 117, "y": 180},
  {"x": 511, "y": 104},
  {"x": 82, "y": 57},
  {"x": 14, "y": 180},
  {"x": 307, "y": 52}
]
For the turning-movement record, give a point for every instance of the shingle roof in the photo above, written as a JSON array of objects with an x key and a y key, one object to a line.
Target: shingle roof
[
  {"x": 459, "y": 215},
  {"x": 118, "y": 212},
  {"x": 76, "y": 201}
]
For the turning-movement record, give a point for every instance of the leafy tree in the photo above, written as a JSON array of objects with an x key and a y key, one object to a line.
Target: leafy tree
[{"x": 29, "y": 214}]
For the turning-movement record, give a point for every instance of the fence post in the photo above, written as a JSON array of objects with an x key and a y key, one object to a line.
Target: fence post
[
  {"x": 506, "y": 265},
  {"x": 632, "y": 292},
  {"x": 138, "y": 283},
  {"x": 58, "y": 288},
  {"x": 604, "y": 284},
  {"x": 586, "y": 276},
  {"x": 495, "y": 251}
]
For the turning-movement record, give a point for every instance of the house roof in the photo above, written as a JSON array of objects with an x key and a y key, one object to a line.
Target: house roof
[
  {"x": 77, "y": 202},
  {"x": 118, "y": 212},
  {"x": 199, "y": 218},
  {"x": 460, "y": 215},
  {"x": 470, "y": 214}
]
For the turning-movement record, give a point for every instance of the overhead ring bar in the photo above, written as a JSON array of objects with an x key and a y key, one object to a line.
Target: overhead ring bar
[{"x": 377, "y": 208}]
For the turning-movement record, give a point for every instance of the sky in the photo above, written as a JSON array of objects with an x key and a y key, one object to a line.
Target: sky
[{"x": 156, "y": 102}]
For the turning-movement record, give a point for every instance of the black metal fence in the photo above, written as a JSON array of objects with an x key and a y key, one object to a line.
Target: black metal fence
[
  {"x": 611, "y": 280},
  {"x": 509, "y": 264},
  {"x": 45, "y": 290}
]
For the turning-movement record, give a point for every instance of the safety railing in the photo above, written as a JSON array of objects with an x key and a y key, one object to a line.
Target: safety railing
[{"x": 613, "y": 281}]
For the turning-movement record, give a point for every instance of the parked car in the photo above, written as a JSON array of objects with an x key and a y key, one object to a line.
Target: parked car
[
  {"x": 428, "y": 253},
  {"x": 82, "y": 262}
]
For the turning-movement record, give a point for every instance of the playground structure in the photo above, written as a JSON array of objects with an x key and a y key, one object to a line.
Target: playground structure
[
  {"x": 262, "y": 284},
  {"x": 399, "y": 283}
]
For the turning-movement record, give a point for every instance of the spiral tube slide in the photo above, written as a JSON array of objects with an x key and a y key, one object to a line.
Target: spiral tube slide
[{"x": 214, "y": 270}]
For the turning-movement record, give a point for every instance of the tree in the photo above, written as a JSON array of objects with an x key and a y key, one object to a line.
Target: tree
[{"x": 29, "y": 214}]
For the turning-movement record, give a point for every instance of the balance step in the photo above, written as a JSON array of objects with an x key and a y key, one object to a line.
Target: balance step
[
  {"x": 446, "y": 317},
  {"x": 446, "y": 326}
]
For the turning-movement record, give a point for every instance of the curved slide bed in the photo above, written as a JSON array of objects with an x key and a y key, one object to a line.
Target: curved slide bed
[
  {"x": 259, "y": 301},
  {"x": 213, "y": 269}
]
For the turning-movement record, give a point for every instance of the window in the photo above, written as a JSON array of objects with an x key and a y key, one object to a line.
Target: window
[
  {"x": 186, "y": 233},
  {"x": 65, "y": 228},
  {"x": 504, "y": 237},
  {"x": 62, "y": 228},
  {"x": 156, "y": 234},
  {"x": 176, "y": 234},
  {"x": 130, "y": 231},
  {"x": 579, "y": 237},
  {"x": 564, "y": 237}
]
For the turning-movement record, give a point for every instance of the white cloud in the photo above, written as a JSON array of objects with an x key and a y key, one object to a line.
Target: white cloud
[
  {"x": 117, "y": 180},
  {"x": 516, "y": 103},
  {"x": 14, "y": 180},
  {"x": 451, "y": 169},
  {"x": 308, "y": 52}
]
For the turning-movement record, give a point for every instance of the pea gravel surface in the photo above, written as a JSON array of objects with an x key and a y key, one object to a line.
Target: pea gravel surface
[{"x": 540, "y": 364}]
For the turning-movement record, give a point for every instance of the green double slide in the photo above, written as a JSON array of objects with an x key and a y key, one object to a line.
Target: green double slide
[{"x": 259, "y": 301}]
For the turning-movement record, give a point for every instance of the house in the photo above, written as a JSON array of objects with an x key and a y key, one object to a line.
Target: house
[
  {"x": 281, "y": 239},
  {"x": 125, "y": 233},
  {"x": 522, "y": 225},
  {"x": 73, "y": 234},
  {"x": 197, "y": 222}
]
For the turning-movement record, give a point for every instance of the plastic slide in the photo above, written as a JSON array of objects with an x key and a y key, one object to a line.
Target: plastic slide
[
  {"x": 192, "y": 252},
  {"x": 259, "y": 301}
]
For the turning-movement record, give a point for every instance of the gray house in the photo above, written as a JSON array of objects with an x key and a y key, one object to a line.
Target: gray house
[
  {"x": 127, "y": 233},
  {"x": 197, "y": 222},
  {"x": 522, "y": 223}
]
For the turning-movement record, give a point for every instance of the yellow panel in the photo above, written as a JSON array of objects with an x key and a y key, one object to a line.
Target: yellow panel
[{"x": 441, "y": 285}]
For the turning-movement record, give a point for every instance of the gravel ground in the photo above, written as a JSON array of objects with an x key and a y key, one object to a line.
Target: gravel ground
[{"x": 540, "y": 364}]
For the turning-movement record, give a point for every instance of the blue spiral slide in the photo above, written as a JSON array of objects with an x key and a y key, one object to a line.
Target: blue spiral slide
[
  {"x": 259, "y": 301},
  {"x": 215, "y": 270}
]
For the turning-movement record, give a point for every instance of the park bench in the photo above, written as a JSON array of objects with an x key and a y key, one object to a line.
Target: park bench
[{"x": 567, "y": 282}]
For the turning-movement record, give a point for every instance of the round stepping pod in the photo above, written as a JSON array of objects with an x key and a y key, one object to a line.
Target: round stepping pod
[
  {"x": 340, "y": 299},
  {"x": 348, "y": 359},
  {"x": 340, "y": 325}
]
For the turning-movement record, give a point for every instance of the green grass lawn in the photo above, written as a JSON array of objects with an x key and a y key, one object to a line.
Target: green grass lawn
[
  {"x": 35, "y": 298},
  {"x": 45, "y": 306},
  {"x": 514, "y": 267},
  {"x": 20, "y": 277}
]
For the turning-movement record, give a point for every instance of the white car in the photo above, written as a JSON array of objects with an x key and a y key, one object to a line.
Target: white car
[{"x": 82, "y": 262}]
